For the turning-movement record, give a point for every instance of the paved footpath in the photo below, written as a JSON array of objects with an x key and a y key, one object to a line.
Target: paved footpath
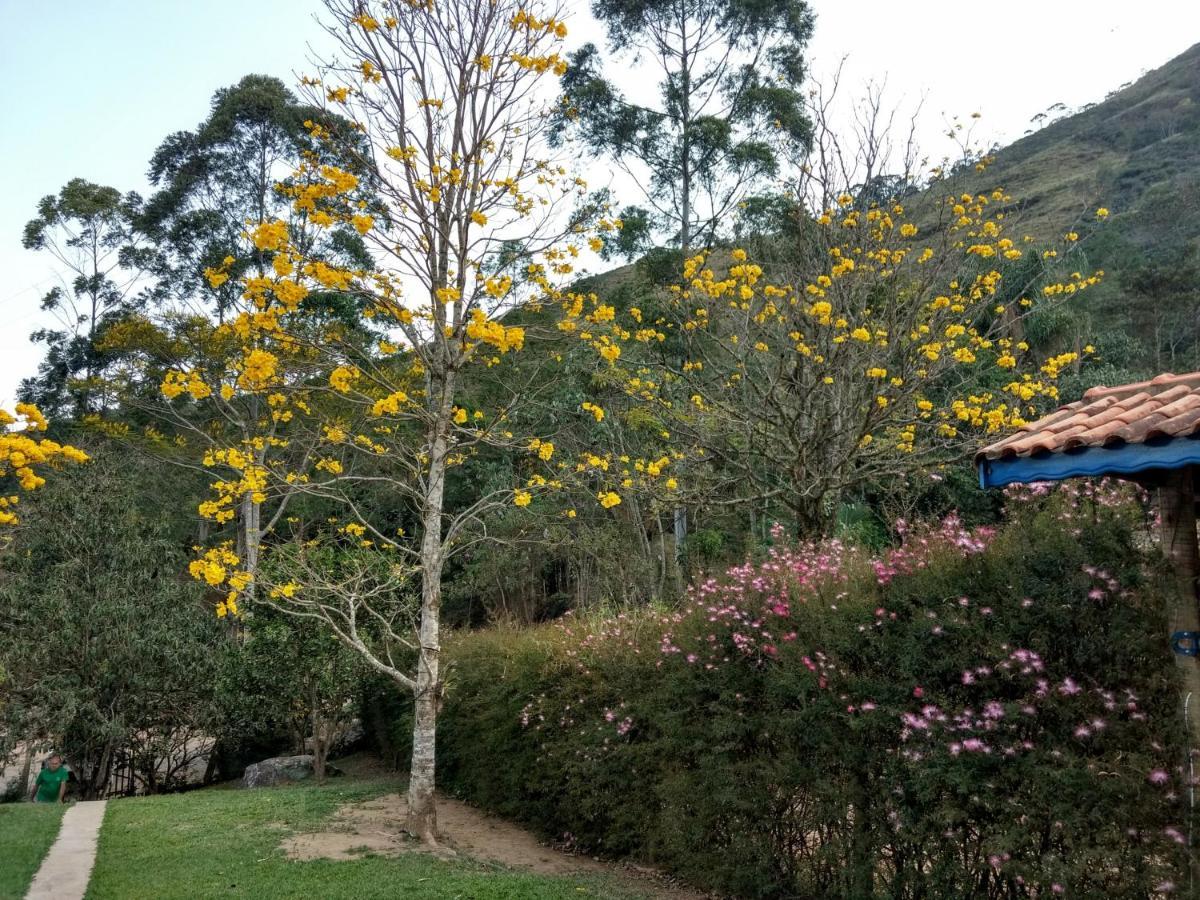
[{"x": 68, "y": 866}]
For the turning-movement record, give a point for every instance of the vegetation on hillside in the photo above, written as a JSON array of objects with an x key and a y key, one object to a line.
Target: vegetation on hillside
[{"x": 1136, "y": 154}]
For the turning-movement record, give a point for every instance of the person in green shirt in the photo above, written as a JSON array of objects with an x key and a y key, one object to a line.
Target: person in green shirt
[{"x": 51, "y": 783}]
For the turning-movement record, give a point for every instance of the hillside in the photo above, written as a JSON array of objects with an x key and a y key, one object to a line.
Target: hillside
[{"x": 1137, "y": 153}]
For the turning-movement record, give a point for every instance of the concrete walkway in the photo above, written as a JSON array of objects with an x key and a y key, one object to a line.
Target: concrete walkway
[{"x": 68, "y": 866}]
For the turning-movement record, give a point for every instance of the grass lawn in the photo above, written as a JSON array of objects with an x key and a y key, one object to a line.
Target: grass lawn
[
  {"x": 26, "y": 832},
  {"x": 225, "y": 843}
]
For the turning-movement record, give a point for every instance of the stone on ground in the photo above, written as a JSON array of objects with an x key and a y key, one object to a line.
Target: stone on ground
[{"x": 282, "y": 770}]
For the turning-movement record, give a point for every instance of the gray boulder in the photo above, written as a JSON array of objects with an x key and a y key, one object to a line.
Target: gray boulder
[{"x": 278, "y": 770}]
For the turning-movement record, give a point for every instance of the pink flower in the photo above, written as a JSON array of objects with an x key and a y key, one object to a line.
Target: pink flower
[{"x": 1158, "y": 776}]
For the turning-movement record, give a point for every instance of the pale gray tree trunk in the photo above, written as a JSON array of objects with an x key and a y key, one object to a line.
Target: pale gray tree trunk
[{"x": 422, "y": 810}]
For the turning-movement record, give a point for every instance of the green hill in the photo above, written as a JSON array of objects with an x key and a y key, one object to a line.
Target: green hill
[{"x": 1137, "y": 153}]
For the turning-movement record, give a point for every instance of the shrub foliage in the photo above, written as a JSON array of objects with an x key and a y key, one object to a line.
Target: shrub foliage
[{"x": 973, "y": 713}]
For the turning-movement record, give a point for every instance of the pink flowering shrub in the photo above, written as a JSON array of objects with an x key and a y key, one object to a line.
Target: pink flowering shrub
[{"x": 972, "y": 713}]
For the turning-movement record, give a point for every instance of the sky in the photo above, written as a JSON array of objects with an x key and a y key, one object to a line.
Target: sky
[{"x": 89, "y": 88}]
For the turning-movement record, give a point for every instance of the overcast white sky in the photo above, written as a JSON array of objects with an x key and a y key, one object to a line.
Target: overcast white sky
[{"x": 90, "y": 87}]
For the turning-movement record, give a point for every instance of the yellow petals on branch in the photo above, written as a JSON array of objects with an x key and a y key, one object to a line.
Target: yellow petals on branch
[
  {"x": 21, "y": 451},
  {"x": 342, "y": 181},
  {"x": 258, "y": 370},
  {"x": 342, "y": 378},
  {"x": 390, "y": 405},
  {"x": 290, "y": 293},
  {"x": 176, "y": 383},
  {"x": 493, "y": 333},
  {"x": 270, "y": 235}
]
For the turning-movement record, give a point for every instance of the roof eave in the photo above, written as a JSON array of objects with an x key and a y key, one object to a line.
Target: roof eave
[{"x": 1126, "y": 459}]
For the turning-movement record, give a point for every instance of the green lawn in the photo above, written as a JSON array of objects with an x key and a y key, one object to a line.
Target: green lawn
[
  {"x": 26, "y": 832},
  {"x": 225, "y": 843}
]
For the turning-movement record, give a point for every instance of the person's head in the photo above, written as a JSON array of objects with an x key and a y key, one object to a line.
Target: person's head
[{"x": 54, "y": 762}]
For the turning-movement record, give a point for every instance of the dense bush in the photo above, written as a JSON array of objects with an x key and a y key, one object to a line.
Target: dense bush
[
  {"x": 109, "y": 650},
  {"x": 971, "y": 714}
]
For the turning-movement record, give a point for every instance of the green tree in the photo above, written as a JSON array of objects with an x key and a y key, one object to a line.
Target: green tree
[
  {"x": 213, "y": 180},
  {"x": 89, "y": 230},
  {"x": 290, "y": 677},
  {"x": 107, "y": 647},
  {"x": 730, "y": 115},
  {"x": 730, "y": 111}
]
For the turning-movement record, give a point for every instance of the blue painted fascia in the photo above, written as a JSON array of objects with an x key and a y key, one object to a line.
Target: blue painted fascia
[{"x": 1123, "y": 460}]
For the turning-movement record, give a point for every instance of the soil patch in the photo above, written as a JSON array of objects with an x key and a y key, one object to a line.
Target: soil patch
[{"x": 375, "y": 826}]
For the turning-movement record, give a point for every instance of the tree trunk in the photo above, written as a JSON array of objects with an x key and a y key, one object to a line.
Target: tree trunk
[
  {"x": 679, "y": 513},
  {"x": 679, "y": 521},
  {"x": 320, "y": 740},
  {"x": 862, "y": 860},
  {"x": 422, "y": 811},
  {"x": 25, "y": 767}
]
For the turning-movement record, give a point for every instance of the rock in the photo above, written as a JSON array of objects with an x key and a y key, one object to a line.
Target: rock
[
  {"x": 350, "y": 737},
  {"x": 346, "y": 740},
  {"x": 278, "y": 770}
]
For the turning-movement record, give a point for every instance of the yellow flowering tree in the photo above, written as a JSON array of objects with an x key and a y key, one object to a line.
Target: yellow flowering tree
[
  {"x": 24, "y": 454},
  {"x": 189, "y": 375},
  {"x": 471, "y": 234},
  {"x": 886, "y": 338}
]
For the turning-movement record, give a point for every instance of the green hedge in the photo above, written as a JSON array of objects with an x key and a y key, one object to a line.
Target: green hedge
[{"x": 969, "y": 715}]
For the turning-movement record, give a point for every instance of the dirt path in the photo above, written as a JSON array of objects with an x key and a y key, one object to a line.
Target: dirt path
[
  {"x": 375, "y": 827},
  {"x": 67, "y": 868}
]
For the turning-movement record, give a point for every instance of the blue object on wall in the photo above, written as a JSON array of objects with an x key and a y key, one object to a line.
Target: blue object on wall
[{"x": 1186, "y": 643}]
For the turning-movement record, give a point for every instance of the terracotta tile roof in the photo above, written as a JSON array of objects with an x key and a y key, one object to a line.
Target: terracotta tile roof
[{"x": 1166, "y": 406}]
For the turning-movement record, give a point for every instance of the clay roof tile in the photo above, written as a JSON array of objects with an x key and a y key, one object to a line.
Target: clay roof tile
[{"x": 1166, "y": 405}]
